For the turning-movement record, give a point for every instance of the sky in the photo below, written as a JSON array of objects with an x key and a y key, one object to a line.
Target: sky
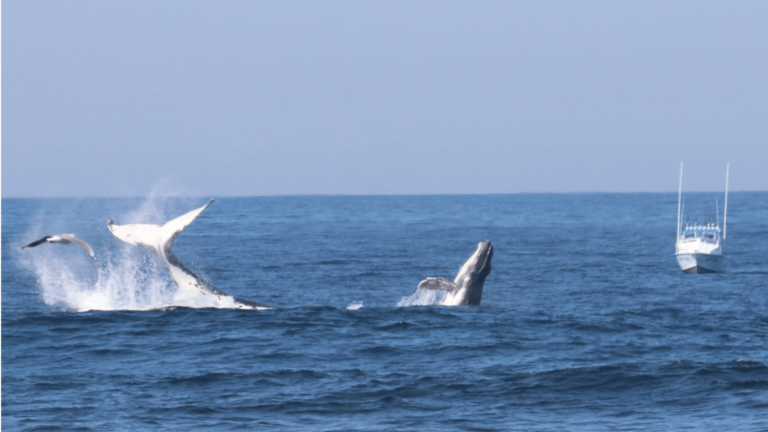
[{"x": 252, "y": 98}]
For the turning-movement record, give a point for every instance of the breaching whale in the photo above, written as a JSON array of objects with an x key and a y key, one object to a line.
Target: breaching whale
[
  {"x": 63, "y": 239},
  {"x": 467, "y": 288},
  {"x": 159, "y": 240}
]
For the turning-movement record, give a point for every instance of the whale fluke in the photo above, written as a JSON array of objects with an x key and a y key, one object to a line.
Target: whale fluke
[
  {"x": 467, "y": 288},
  {"x": 63, "y": 239},
  {"x": 159, "y": 240}
]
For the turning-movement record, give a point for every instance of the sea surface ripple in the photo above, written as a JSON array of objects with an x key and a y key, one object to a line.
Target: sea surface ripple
[{"x": 586, "y": 323}]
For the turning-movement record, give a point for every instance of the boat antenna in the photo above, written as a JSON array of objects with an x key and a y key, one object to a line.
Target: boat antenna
[
  {"x": 725, "y": 212},
  {"x": 679, "y": 194}
]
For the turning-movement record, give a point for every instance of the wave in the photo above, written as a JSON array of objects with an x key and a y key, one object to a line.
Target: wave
[{"x": 355, "y": 305}]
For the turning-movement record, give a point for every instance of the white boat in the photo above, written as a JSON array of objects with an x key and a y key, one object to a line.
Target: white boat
[{"x": 699, "y": 248}]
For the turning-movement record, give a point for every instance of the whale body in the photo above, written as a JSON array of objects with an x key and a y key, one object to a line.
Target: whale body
[
  {"x": 159, "y": 240},
  {"x": 467, "y": 288}
]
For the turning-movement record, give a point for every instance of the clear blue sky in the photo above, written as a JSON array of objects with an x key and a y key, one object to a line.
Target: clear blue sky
[{"x": 223, "y": 98}]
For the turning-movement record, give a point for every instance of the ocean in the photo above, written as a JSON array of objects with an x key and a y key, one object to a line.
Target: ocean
[{"x": 586, "y": 321}]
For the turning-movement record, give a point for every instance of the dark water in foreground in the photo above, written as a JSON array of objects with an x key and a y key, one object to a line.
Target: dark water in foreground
[{"x": 586, "y": 322}]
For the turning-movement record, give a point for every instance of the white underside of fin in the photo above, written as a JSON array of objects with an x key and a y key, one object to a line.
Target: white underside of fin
[
  {"x": 70, "y": 238},
  {"x": 454, "y": 293}
]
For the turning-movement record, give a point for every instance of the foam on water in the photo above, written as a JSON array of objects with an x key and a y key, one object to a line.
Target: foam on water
[
  {"x": 355, "y": 305},
  {"x": 423, "y": 297}
]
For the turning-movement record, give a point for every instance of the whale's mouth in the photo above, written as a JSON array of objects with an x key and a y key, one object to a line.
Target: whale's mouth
[{"x": 484, "y": 255}]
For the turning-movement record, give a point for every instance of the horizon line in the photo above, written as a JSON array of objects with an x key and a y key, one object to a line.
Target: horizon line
[{"x": 373, "y": 195}]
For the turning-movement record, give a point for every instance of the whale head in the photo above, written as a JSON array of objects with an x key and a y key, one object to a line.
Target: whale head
[{"x": 471, "y": 277}]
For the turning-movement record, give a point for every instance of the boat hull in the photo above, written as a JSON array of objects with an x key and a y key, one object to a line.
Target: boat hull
[{"x": 700, "y": 263}]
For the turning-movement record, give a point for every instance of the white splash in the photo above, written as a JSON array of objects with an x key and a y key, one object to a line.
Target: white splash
[
  {"x": 131, "y": 280},
  {"x": 123, "y": 277},
  {"x": 423, "y": 297},
  {"x": 355, "y": 305}
]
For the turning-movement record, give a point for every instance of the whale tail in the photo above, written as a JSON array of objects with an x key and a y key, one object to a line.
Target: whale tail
[
  {"x": 159, "y": 240},
  {"x": 156, "y": 238}
]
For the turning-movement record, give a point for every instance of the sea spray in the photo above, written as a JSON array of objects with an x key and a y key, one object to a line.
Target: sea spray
[
  {"x": 129, "y": 280},
  {"x": 355, "y": 305},
  {"x": 423, "y": 297},
  {"x": 123, "y": 277}
]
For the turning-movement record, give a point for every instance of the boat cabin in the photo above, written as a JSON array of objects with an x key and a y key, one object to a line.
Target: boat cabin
[{"x": 700, "y": 239}]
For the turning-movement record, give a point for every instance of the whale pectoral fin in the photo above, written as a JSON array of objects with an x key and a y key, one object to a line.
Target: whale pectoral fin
[
  {"x": 437, "y": 284},
  {"x": 37, "y": 242},
  {"x": 85, "y": 246}
]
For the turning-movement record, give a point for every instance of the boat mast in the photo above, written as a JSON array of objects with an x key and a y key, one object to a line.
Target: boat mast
[
  {"x": 717, "y": 213},
  {"x": 679, "y": 194},
  {"x": 682, "y": 215},
  {"x": 725, "y": 212}
]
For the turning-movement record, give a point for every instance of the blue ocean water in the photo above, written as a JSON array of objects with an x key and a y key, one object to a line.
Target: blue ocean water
[{"x": 586, "y": 322}]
